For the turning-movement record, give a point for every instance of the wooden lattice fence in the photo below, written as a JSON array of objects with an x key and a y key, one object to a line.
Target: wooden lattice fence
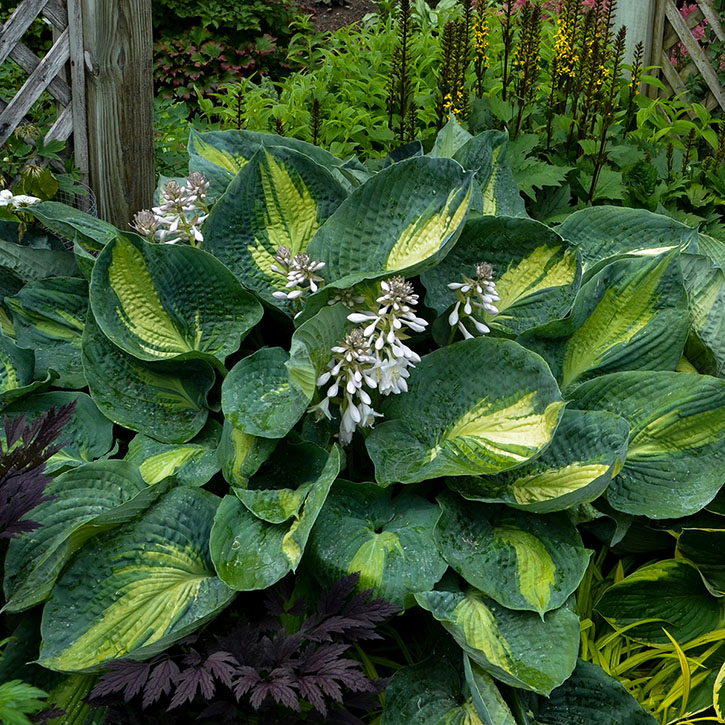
[
  {"x": 99, "y": 71},
  {"x": 671, "y": 29}
]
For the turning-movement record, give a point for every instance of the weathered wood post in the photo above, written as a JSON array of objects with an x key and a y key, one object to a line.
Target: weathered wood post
[{"x": 117, "y": 36}]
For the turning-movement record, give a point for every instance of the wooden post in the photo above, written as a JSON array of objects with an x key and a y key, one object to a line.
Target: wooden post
[{"x": 117, "y": 36}]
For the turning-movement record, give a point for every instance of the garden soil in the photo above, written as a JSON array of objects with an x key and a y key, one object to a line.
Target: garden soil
[{"x": 336, "y": 16}]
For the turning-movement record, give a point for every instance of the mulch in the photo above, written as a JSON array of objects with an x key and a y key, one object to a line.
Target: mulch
[{"x": 334, "y": 17}]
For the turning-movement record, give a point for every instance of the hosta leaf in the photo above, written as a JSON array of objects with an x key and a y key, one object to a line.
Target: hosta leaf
[
  {"x": 147, "y": 302},
  {"x": 518, "y": 648},
  {"x": 250, "y": 553},
  {"x": 487, "y": 699},
  {"x": 591, "y": 696},
  {"x": 278, "y": 491},
  {"x": 712, "y": 248},
  {"x": 70, "y": 696},
  {"x": 85, "y": 501},
  {"x": 497, "y": 191},
  {"x": 86, "y": 436},
  {"x": 522, "y": 560},
  {"x": 449, "y": 139},
  {"x": 29, "y": 264},
  {"x": 190, "y": 464},
  {"x": 400, "y": 221},
  {"x": 610, "y": 231},
  {"x": 632, "y": 315},
  {"x": 135, "y": 591},
  {"x": 676, "y": 459},
  {"x": 388, "y": 540},
  {"x": 537, "y": 273},
  {"x": 221, "y": 155},
  {"x": 260, "y": 398},
  {"x": 73, "y": 224},
  {"x": 587, "y": 451},
  {"x": 705, "y": 286},
  {"x": 430, "y": 693},
  {"x": 166, "y": 401},
  {"x": 241, "y": 454},
  {"x": 48, "y": 317},
  {"x": 705, "y": 548},
  {"x": 17, "y": 366},
  {"x": 280, "y": 198},
  {"x": 454, "y": 423},
  {"x": 670, "y": 592}
]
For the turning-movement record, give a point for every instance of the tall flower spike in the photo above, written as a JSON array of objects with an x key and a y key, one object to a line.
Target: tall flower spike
[
  {"x": 300, "y": 270},
  {"x": 474, "y": 294},
  {"x": 349, "y": 372},
  {"x": 386, "y": 330}
]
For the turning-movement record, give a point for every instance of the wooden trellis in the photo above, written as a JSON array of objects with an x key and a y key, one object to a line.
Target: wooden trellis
[
  {"x": 670, "y": 29},
  {"x": 99, "y": 71}
]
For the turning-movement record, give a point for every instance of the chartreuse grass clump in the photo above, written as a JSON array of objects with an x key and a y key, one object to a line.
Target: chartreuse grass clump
[{"x": 392, "y": 374}]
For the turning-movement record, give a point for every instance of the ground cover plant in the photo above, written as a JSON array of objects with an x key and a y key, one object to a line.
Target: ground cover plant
[{"x": 295, "y": 368}]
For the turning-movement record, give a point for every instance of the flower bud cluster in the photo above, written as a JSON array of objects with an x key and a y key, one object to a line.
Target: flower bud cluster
[
  {"x": 474, "y": 294},
  {"x": 380, "y": 359},
  {"x": 300, "y": 270},
  {"x": 179, "y": 216},
  {"x": 17, "y": 201}
]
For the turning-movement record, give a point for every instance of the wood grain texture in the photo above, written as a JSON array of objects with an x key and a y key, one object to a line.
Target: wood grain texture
[
  {"x": 78, "y": 86},
  {"x": 17, "y": 24},
  {"x": 117, "y": 36},
  {"x": 28, "y": 61}
]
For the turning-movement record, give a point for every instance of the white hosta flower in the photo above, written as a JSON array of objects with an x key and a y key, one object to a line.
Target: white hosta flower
[
  {"x": 348, "y": 298},
  {"x": 300, "y": 270},
  {"x": 348, "y": 374},
  {"x": 387, "y": 329},
  {"x": 473, "y": 295},
  {"x": 180, "y": 213},
  {"x": 17, "y": 201}
]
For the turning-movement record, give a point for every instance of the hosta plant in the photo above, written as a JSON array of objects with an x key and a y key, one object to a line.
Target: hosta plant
[{"x": 324, "y": 370}]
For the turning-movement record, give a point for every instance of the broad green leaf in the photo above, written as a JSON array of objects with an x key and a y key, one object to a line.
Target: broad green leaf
[
  {"x": 449, "y": 139},
  {"x": 10, "y": 284},
  {"x": 135, "y": 591},
  {"x": 73, "y": 224},
  {"x": 48, "y": 317},
  {"x": 671, "y": 593},
  {"x": 221, "y": 155},
  {"x": 587, "y": 451},
  {"x": 17, "y": 366},
  {"x": 430, "y": 693},
  {"x": 712, "y": 248},
  {"x": 250, "y": 553},
  {"x": 280, "y": 198},
  {"x": 29, "y": 264},
  {"x": 279, "y": 489},
  {"x": 523, "y": 561},
  {"x": 537, "y": 273},
  {"x": 190, "y": 464},
  {"x": 86, "y": 436},
  {"x": 676, "y": 459},
  {"x": 487, "y": 699},
  {"x": 311, "y": 347},
  {"x": 497, "y": 194},
  {"x": 260, "y": 398},
  {"x": 388, "y": 540},
  {"x": 70, "y": 696},
  {"x": 518, "y": 648},
  {"x": 632, "y": 315},
  {"x": 452, "y": 422},
  {"x": 147, "y": 302},
  {"x": 404, "y": 219},
  {"x": 705, "y": 548},
  {"x": 705, "y": 285},
  {"x": 240, "y": 454},
  {"x": 611, "y": 231},
  {"x": 85, "y": 501},
  {"x": 593, "y": 697},
  {"x": 165, "y": 400}
]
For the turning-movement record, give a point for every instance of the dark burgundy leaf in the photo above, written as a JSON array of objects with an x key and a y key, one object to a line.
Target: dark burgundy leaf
[{"x": 163, "y": 676}]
